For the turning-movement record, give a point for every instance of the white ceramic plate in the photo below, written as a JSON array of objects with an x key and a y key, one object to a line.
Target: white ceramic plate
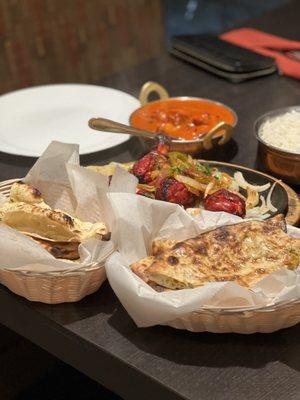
[{"x": 31, "y": 118}]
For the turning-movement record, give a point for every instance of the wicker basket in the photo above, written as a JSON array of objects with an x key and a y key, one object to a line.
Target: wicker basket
[
  {"x": 263, "y": 320},
  {"x": 52, "y": 287}
]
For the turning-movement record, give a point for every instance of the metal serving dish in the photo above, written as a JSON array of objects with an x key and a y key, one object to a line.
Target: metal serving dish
[
  {"x": 281, "y": 163},
  {"x": 219, "y": 135}
]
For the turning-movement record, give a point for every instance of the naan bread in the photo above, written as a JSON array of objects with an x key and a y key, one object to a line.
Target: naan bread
[
  {"x": 27, "y": 212},
  {"x": 109, "y": 169},
  {"x": 161, "y": 245},
  {"x": 68, "y": 251},
  {"x": 48, "y": 224},
  {"x": 140, "y": 269},
  {"x": 58, "y": 232},
  {"x": 25, "y": 193},
  {"x": 244, "y": 253}
]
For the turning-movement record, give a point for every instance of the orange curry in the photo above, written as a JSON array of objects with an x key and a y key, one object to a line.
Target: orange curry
[{"x": 183, "y": 119}]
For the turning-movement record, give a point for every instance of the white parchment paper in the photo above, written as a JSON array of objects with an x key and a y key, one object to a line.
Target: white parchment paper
[
  {"x": 68, "y": 187},
  {"x": 139, "y": 220}
]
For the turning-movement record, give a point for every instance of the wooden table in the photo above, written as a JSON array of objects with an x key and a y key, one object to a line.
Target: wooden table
[{"x": 96, "y": 335}]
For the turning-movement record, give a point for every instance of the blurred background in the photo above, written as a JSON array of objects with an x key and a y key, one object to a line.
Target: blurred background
[{"x": 53, "y": 41}]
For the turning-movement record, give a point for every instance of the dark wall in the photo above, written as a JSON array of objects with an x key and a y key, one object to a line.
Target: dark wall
[{"x": 212, "y": 16}]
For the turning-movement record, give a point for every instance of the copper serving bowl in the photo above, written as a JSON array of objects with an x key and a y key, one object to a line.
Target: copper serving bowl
[
  {"x": 281, "y": 163},
  {"x": 218, "y": 135}
]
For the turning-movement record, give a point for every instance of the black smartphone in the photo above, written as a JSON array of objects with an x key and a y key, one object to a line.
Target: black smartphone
[{"x": 222, "y": 58}]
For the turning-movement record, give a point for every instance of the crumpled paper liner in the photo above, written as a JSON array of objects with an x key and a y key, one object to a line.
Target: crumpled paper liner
[
  {"x": 139, "y": 220},
  {"x": 68, "y": 187}
]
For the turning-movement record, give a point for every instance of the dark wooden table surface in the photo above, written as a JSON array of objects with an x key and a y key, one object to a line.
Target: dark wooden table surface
[{"x": 97, "y": 336}]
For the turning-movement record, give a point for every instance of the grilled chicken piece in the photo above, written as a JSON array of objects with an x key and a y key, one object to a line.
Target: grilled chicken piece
[
  {"x": 224, "y": 200},
  {"x": 169, "y": 189},
  {"x": 144, "y": 167}
]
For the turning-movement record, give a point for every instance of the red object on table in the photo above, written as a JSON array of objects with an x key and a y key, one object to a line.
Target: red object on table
[{"x": 269, "y": 45}]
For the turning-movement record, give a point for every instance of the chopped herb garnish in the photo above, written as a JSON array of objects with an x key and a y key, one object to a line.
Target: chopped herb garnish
[
  {"x": 218, "y": 175},
  {"x": 178, "y": 169},
  {"x": 206, "y": 169}
]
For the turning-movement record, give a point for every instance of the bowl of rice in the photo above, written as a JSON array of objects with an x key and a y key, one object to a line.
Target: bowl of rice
[{"x": 278, "y": 135}]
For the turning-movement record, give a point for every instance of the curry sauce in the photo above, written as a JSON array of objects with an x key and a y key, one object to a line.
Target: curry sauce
[{"x": 183, "y": 119}]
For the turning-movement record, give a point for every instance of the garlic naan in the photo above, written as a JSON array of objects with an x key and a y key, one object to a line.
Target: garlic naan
[{"x": 244, "y": 253}]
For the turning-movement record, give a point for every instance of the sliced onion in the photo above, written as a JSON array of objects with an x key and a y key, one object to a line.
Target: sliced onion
[
  {"x": 190, "y": 159},
  {"x": 147, "y": 188},
  {"x": 234, "y": 187},
  {"x": 200, "y": 176},
  {"x": 252, "y": 198},
  {"x": 269, "y": 204},
  {"x": 252, "y": 213},
  {"x": 265, "y": 216},
  {"x": 263, "y": 207},
  {"x": 239, "y": 178},
  {"x": 225, "y": 180},
  {"x": 190, "y": 182},
  {"x": 192, "y": 190},
  {"x": 258, "y": 211},
  {"x": 178, "y": 159},
  {"x": 209, "y": 187},
  {"x": 155, "y": 174},
  {"x": 260, "y": 216}
]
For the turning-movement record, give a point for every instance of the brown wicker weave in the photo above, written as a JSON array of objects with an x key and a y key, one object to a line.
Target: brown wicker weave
[{"x": 264, "y": 319}]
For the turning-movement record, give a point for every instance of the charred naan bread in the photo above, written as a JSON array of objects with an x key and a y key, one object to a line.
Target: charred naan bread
[
  {"x": 68, "y": 251},
  {"x": 48, "y": 224},
  {"x": 161, "y": 245},
  {"x": 109, "y": 169},
  {"x": 58, "y": 232},
  {"x": 25, "y": 193},
  {"x": 140, "y": 268},
  {"x": 20, "y": 194},
  {"x": 244, "y": 253}
]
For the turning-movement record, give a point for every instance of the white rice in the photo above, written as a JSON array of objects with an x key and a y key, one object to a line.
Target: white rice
[{"x": 283, "y": 131}]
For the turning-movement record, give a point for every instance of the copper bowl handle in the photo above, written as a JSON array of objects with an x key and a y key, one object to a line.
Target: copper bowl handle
[
  {"x": 108, "y": 125},
  {"x": 221, "y": 126},
  {"x": 150, "y": 87}
]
